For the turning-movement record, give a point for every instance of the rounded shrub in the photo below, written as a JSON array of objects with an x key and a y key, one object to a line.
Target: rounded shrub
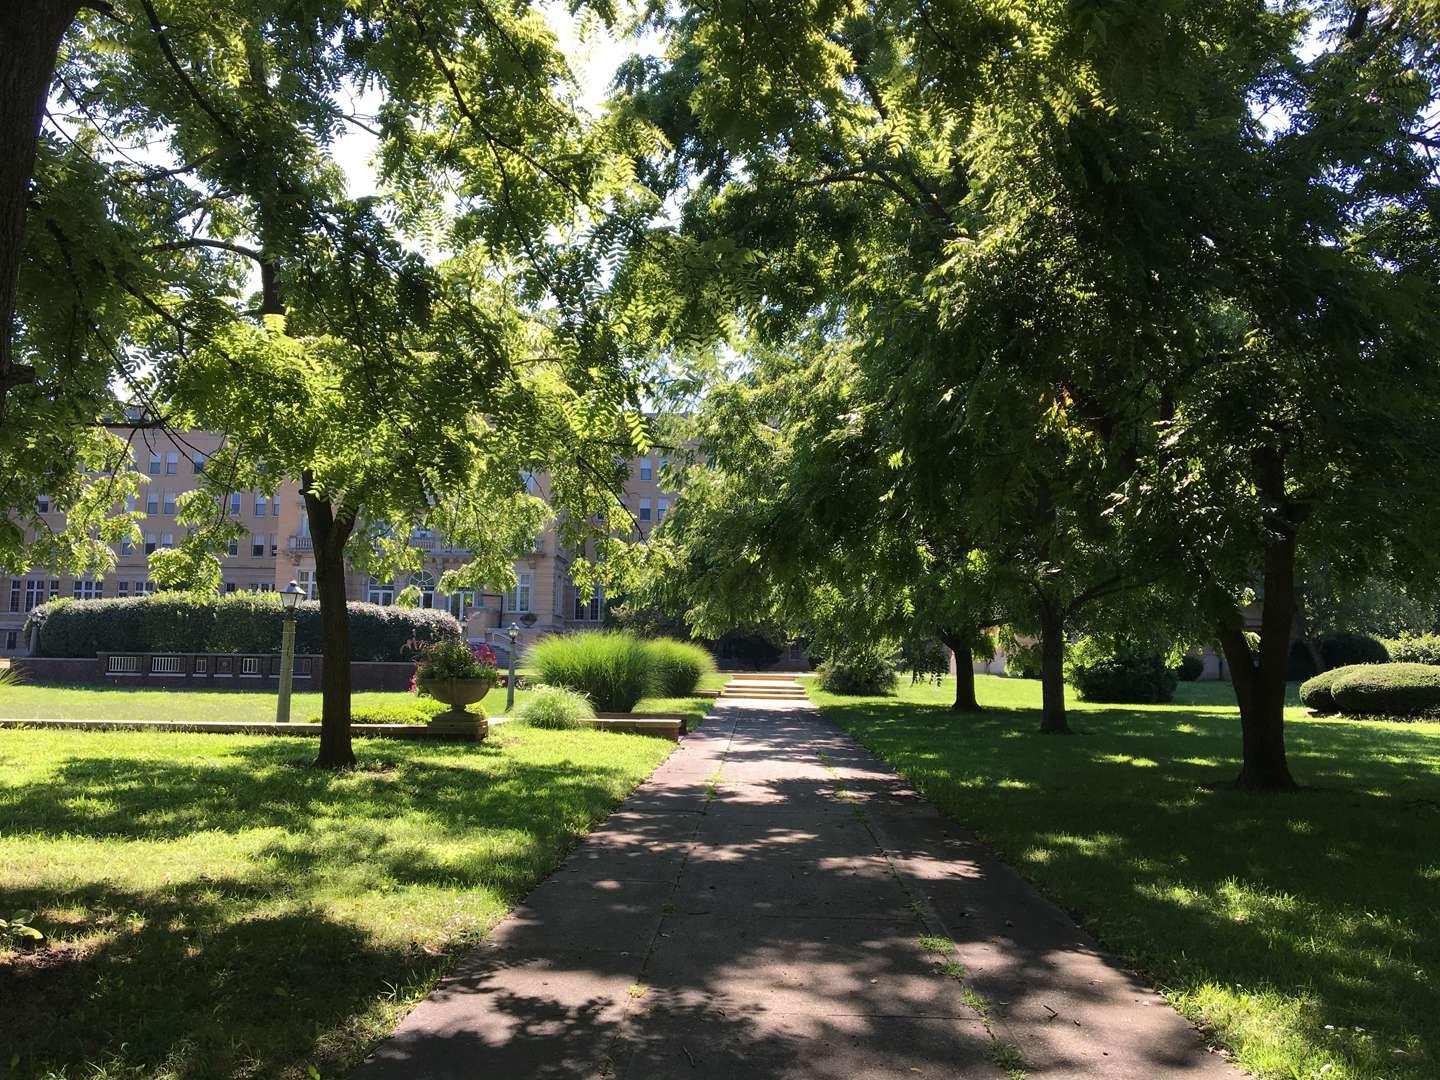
[
  {"x": 679, "y": 666},
  {"x": 1415, "y": 649},
  {"x": 1315, "y": 692},
  {"x": 1391, "y": 690},
  {"x": 863, "y": 670},
  {"x": 613, "y": 669},
  {"x": 554, "y": 707},
  {"x": 1190, "y": 668},
  {"x": 1342, "y": 649},
  {"x": 1110, "y": 674}
]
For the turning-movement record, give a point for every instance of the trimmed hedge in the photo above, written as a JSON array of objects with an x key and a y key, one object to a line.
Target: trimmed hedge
[
  {"x": 1392, "y": 690},
  {"x": 1315, "y": 692},
  {"x": 418, "y": 712},
  {"x": 678, "y": 666},
  {"x": 235, "y": 622},
  {"x": 611, "y": 668},
  {"x": 1415, "y": 649}
]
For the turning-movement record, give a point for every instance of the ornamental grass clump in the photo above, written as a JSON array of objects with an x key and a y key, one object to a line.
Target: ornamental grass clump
[
  {"x": 613, "y": 669},
  {"x": 555, "y": 707},
  {"x": 679, "y": 666}
]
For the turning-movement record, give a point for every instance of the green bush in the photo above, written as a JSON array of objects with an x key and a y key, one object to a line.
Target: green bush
[
  {"x": 1415, "y": 649},
  {"x": 1345, "y": 649},
  {"x": 1022, "y": 661},
  {"x": 679, "y": 666},
  {"x": 1315, "y": 693},
  {"x": 554, "y": 707},
  {"x": 861, "y": 670},
  {"x": 1392, "y": 690},
  {"x": 613, "y": 669},
  {"x": 235, "y": 622},
  {"x": 1190, "y": 668},
  {"x": 1116, "y": 673}
]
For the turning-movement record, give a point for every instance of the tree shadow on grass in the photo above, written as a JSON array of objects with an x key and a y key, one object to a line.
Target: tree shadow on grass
[
  {"x": 235, "y": 961},
  {"x": 1326, "y": 897}
]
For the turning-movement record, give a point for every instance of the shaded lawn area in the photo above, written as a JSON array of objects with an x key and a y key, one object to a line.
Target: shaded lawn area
[
  {"x": 68, "y": 702},
  {"x": 217, "y": 910},
  {"x": 1302, "y": 931}
]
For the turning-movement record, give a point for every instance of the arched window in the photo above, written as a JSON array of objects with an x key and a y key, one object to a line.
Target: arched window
[{"x": 425, "y": 582}]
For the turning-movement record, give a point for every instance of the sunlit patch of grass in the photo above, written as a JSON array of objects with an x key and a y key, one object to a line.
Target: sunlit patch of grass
[
  {"x": 214, "y": 908},
  {"x": 1301, "y": 931}
]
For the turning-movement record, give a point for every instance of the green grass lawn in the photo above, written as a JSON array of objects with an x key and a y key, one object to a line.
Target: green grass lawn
[
  {"x": 68, "y": 702},
  {"x": 215, "y": 909},
  {"x": 1302, "y": 931}
]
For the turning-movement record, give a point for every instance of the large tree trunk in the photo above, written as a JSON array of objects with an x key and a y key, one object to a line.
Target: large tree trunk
[
  {"x": 30, "y": 36},
  {"x": 1259, "y": 678},
  {"x": 329, "y": 531},
  {"x": 1052, "y": 670},
  {"x": 964, "y": 673}
]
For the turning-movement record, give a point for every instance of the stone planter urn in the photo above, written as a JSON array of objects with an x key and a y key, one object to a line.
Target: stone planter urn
[{"x": 458, "y": 721}]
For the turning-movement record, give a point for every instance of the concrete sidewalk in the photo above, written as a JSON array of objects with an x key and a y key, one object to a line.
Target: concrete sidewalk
[{"x": 756, "y": 909}]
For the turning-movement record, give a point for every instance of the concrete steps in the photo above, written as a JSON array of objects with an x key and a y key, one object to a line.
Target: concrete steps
[{"x": 764, "y": 686}]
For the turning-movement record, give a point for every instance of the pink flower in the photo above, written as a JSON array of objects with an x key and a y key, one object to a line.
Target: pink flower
[{"x": 414, "y": 688}]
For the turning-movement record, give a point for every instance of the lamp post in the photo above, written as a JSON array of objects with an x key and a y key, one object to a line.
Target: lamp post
[
  {"x": 514, "y": 635},
  {"x": 289, "y": 597}
]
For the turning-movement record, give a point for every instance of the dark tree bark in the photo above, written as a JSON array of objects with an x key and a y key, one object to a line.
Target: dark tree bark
[
  {"x": 1259, "y": 678},
  {"x": 1052, "y": 669},
  {"x": 964, "y": 672},
  {"x": 330, "y": 530},
  {"x": 30, "y": 36}
]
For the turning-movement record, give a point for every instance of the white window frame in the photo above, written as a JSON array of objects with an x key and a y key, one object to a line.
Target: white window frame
[{"x": 519, "y": 598}]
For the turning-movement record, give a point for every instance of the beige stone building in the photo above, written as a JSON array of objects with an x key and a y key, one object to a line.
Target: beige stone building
[{"x": 277, "y": 548}]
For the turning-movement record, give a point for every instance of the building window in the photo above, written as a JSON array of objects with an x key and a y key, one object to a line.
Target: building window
[
  {"x": 87, "y": 589},
  {"x": 154, "y": 464},
  {"x": 42, "y": 504},
  {"x": 518, "y": 598},
  {"x": 461, "y": 604},
  {"x": 646, "y": 471},
  {"x": 12, "y": 640},
  {"x": 132, "y": 502},
  {"x": 144, "y": 587},
  {"x": 197, "y": 462},
  {"x": 426, "y": 584},
  {"x": 257, "y": 544},
  {"x": 167, "y": 540},
  {"x": 127, "y": 547},
  {"x": 122, "y": 588},
  {"x": 644, "y": 509},
  {"x": 229, "y": 586},
  {"x": 149, "y": 543},
  {"x": 275, "y": 506},
  {"x": 382, "y": 593},
  {"x": 661, "y": 510},
  {"x": 264, "y": 586},
  {"x": 260, "y": 504},
  {"x": 274, "y": 543},
  {"x": 30, "y": 594},
  {"x": 588, "y": 609},
  {"x": 152, "y": 502},
  {"x": 167, "y": 501},
  {"x": 172, "y": 463},
  {"x": 234, "y": 548},
  {"x": 306, "y": 580}
]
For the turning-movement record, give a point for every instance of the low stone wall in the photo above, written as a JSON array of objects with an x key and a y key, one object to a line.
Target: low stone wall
[{"x": 203, "y": 671}]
